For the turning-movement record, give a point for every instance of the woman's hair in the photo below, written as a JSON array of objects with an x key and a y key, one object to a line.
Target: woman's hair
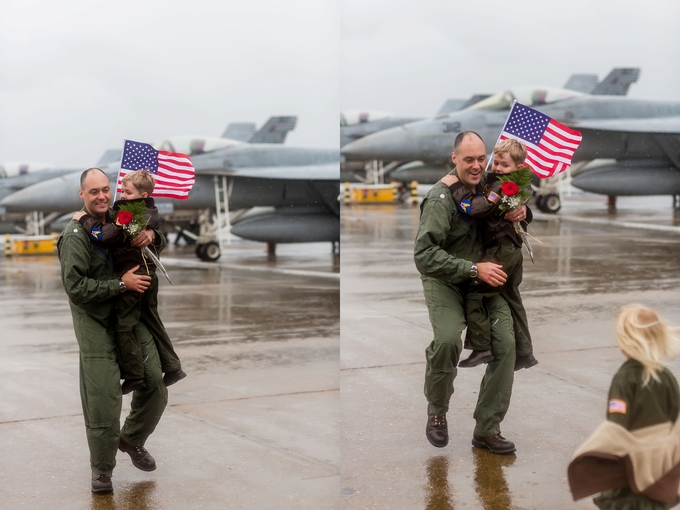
[{"x": 645, "y": 337}]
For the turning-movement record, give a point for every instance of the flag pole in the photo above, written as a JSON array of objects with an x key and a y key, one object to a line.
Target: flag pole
[
  {"x": 120, "y": 164},
  {"x": 500, "y": 134}
]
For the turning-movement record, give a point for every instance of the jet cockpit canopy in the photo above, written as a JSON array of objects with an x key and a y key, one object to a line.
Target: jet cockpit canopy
[
  {"x": 528, "y": 96},
  {"x": 14, "y": 168},
  {"x": 352, "y": 117},
  {"x": 192, "y": 145}
]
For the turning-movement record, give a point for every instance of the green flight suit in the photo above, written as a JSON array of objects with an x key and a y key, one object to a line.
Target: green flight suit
[
  {"x": 91, "y": 285},
  {"x": 658, "y": 402},
  {"x": 446, "y": 244}
]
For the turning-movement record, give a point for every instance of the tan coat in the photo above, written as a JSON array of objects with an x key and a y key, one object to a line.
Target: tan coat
[{"x": 647, "y": 460}]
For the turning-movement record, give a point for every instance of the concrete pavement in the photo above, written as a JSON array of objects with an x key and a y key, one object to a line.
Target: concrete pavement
[
  {"x": 583, "y": 273},
  {"x": 253, "y": 425}
]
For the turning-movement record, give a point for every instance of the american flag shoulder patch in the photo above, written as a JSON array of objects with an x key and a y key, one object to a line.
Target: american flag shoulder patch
[
  {"x": 493, "y": 197},
  {"x": 617, "y": 406}
]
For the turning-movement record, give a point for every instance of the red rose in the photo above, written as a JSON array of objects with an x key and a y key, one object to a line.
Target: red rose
[
  {"x": 509, "y": 188},
  {"x": 125, "y": 217}
]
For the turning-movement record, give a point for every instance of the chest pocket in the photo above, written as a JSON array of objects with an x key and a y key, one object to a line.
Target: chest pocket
[
  {"x": 101, "y": 264},
  {"x": 462, "y": 227}
]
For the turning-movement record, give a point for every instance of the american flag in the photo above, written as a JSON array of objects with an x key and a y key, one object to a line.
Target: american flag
[
  {"x": 172, "y": 172},
  {"x": 550, "y": 145}
]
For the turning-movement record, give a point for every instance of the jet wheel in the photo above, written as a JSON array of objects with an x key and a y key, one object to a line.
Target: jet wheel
[
  {"x": 550, "y": 204},
  {"x": 209, "y": 251},
  {"x": 540, "y": 200}
]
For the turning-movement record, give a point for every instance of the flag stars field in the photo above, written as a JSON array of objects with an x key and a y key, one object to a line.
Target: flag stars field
[
  {"x": 173, "y": 172},
  {"x": 550, "y": 145}
]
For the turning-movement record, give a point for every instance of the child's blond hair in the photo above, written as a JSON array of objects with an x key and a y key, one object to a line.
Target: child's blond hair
[
  {"x": 142, "y": 180},
  {"x": 645, "y": 337},
  {"x": 517, "y": 150}
]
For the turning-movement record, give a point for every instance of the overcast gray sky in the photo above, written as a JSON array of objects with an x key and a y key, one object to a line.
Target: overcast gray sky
[
  {"x": 79, "y": 76},
  {"x": 408, "y": 57}
]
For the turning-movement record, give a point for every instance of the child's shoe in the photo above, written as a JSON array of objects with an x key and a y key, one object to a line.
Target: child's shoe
[
  {"x": 477, "y": 358},
  {"x": 132, "y": 385},
  {"x": 525, "y": 362},
  {"x": 174, "y": 376}
]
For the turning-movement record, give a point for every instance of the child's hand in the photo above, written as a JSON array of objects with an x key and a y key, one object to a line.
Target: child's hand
[
  {"x": 449, "y": 179},
  {"x": 79, "y": 215}
]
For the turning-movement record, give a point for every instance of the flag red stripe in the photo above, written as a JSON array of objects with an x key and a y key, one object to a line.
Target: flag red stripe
[
  {"x": 175, "y": 175},
  {"x": 553, "y": 152}
]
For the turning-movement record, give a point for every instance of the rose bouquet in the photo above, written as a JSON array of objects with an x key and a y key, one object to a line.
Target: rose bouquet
[
  {"x": 514, "y": 193},
  {"x": 133, "y": 218},
  {"x": 514, "y": 188}
]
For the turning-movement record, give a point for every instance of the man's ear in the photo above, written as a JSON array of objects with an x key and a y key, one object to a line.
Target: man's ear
[{"x": 453, "y": 158}]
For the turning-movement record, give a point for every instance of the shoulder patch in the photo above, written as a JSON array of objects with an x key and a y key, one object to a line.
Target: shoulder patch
[
  {"x": 617, "y": 405},
  {"x": 75, "y": 230},
  {"x": 464, "y": 206},
  {"x": 96, "y": 233},
  {"x": 493, "y": 197},
  {"x": 442, "y": 196}
]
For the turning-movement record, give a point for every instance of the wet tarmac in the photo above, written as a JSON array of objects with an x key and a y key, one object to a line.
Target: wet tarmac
[
  {"x": 255, "y": 423},
  {"x": 588, "y": 263}
]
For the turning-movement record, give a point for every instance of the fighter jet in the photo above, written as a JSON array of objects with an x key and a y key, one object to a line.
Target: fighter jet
[
  {"x": 640, "y": 135},
  {"x": 425, "y": 146},
  {"x": 300, "y": 185},
  {"x": 15, "y": 176},
  {"x": 355, "y": 124}
]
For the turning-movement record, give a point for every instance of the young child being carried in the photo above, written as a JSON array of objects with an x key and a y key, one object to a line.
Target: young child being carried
[
  {"x": 133, "y": 307},
  {"x": 502, "y": 245},
  {"x": 633, "y": 458}
]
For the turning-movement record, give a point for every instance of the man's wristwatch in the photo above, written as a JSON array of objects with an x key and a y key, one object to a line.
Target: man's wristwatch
[
  {"x": 121, "y": 285},
  {"x": 473, "y": 270}
]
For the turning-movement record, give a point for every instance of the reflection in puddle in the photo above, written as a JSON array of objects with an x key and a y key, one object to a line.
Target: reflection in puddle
[
  {"x": 137, "y": 496},
  {"x": 490, "y": 485},
  {"x": 438, "y": 491}
]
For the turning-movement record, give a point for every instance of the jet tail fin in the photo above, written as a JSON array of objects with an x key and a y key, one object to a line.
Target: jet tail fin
[
  {"x": 453, "y": 105},
  {"x": 582, "y": 83},
  {"x": 274, "y": 130},
  {"x": 110, "y": 156},
  {"x": 241, "y": 131},
  {"x": 617, "y": 82}
]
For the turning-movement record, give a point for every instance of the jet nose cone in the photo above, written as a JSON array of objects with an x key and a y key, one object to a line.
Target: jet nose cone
[
  {"x": 54, "y": 195},
  {"x": 394, "y": 144}
]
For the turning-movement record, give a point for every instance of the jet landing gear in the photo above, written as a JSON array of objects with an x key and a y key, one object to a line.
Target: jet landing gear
[
  {"x": 549, "y": 203},
  {"x": 209, "y": 251}
]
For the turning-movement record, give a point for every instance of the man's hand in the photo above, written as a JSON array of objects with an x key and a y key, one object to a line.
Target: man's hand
[
  {"x": 491, "y": 273},
  {"x": 136, "y": 282},
  {"x": 144, "y": 238},
  {"x": 79, "y": 215},
  {"x": 518, "y": 214},
  {"x": 449, "y": 179}
]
